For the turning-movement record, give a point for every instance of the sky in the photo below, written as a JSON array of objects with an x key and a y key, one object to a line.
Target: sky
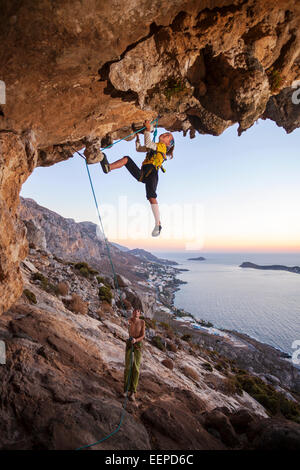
[{"x": 219, "y": 194}]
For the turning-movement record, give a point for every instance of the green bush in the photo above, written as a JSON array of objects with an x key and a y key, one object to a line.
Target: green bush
[
  {"x": 275, "y": 79},
  {"x": 85, "y": 270},
  {"x": 173, "y": 86},
  {"x": 186, "y": 337},
  {"x": 101, "y": 280},
  {"x": 274, "y": 402},
  {"x": 232, "y": 386},
  {"x": 45, "y": 284},
  {"x": 105, "y": 294},
  {"x": 40, "y": 277},
  {"x": 30, "y": 296},
  {"x": 165, "y": 325},
  {"x": 207, "y": 366},
  {"x": 157, "y": 341},
  {"x": 81, "y": 265},
  {"x": 221, "y": 365},
  {"x": 207, "y": 324}
]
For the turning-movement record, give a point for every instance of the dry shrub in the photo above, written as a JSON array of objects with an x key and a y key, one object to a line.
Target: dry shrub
[
  {"x": 63, "y": 288},
  {"x": 171, "y": 347},
  {"x": 106, "y": 307},
  {"x": 77, "y": 305},
  {"x": 190, "y": 372},
  {"x": 30, "y": 296}
]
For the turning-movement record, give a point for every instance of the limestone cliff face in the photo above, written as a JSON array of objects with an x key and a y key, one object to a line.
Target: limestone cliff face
[
  {"x": 80, "y": 242},
  {"x": 66, "y": 239},
  {"x": 82, "y": 72}
]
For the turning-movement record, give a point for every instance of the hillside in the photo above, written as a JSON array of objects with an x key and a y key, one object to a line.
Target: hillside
[{"x": 63, "y": 378}]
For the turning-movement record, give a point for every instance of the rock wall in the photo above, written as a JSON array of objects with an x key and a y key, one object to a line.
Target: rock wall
[
  {"x": 18, "y": 158},
  {"x": 79, "y": 72}
]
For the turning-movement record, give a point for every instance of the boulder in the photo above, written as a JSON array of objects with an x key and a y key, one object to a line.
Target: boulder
[
  {"x": 173, "y": 427},
  {"x": 275, "y": 434},
  {"x": 35, "y": 235},
  {"x": 134, "y": 299},
  {"x": 241, "y": 420},
  {"x": 121, "y": 281},
  {"x": 168, "y": 363},
  {"x": 215, "y": 420}
]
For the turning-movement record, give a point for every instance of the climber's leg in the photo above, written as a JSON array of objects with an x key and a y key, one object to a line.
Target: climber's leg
[
  {"x": 118, "y": 164},
  {"x": 155, "y": 210},
  {"x": 127, "y": 366},
  {"x": 151, "y": 186},
  {"x": 107, "y": 167},
  {"x": 133, "y": 169},
  {"x": 136, "y": 370}
]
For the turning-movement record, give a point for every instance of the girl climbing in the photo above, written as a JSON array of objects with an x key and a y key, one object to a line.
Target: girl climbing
[{"x": 156, "y": 154}]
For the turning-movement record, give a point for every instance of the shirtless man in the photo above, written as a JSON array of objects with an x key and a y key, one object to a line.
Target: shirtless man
[{"x": 136, "y": 329}]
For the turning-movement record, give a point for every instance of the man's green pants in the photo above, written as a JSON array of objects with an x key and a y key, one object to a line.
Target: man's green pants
[{"x": 133, "y": 374}]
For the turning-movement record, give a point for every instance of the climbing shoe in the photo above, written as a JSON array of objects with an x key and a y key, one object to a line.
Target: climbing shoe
[
  {"x": 156, "y": 231},
  {"x": 104, "y": 164}
]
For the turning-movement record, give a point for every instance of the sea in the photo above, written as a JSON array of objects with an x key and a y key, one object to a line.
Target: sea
[{"x": 262, "y": 304}]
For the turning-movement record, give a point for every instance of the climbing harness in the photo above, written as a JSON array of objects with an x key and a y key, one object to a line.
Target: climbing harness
[
  {"x": 153, "y": 159},
  {"x": 115, "y": 280}
]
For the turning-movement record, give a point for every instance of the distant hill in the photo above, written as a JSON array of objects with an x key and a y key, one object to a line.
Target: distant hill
[
  {"x": 147, "y": 256},
  {"x": 73, "y": 241},
  {"x": 200, "y": 258},
  {"x": 120, "y": 247},
  {"x": 275, "y": 267}
]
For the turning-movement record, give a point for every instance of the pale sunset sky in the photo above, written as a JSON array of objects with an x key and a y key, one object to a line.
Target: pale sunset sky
[{"x": 224, "y": 193}]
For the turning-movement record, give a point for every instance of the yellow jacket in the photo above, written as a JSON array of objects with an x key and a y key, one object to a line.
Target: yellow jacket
[
  {"x": 156, "y": 152},
  {"x": 156, "y": 157}
]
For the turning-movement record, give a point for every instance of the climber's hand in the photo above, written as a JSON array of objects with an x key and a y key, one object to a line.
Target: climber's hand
[
  {"x": 133, "y": 340},
  {"x": 148, "y": 125}
]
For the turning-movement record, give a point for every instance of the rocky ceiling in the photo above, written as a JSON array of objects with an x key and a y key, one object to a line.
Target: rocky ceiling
[{"x": 82, "y": 72}]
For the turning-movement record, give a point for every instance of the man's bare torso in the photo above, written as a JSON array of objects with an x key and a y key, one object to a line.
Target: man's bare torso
[{"x": 136, "y": 328}]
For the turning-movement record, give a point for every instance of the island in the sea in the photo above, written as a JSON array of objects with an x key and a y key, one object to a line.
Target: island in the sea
[
  {"x": 200, "y": 258},
  {"x": 277, "y": 267}
]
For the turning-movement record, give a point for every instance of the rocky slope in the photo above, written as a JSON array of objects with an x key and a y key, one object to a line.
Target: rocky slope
[
  {"x": 80, "y": 74},
  {"x": 61, "y": 386}
]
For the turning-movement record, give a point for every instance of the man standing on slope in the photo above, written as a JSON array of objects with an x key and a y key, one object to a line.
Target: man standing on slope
[{"x": 136, "y": 329}]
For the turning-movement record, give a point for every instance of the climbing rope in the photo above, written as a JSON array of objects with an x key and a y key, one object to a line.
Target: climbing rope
[
  {"x": 115, "y": 280},
  {"x": 122, "y": 415},
  {"x": 97, "y": 206}
]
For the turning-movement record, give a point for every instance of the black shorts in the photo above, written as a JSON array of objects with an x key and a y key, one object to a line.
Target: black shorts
[{"x": 147, "y": 175}]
